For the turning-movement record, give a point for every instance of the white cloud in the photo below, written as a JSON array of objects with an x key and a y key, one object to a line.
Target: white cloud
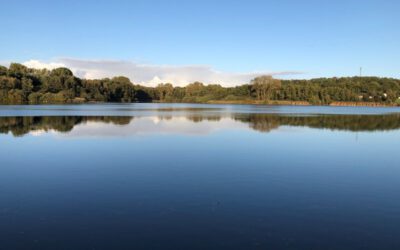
[
  {"x": 42, "y": 65},
  {"x": 152, "y": 74}
]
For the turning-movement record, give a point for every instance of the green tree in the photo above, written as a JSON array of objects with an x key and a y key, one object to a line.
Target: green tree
[
  {"x": 264, "y": 86},
  {"x": 3, "y": 71},
  {"x": 17, "y": 70},
  {"x": 164, "y": 91}
]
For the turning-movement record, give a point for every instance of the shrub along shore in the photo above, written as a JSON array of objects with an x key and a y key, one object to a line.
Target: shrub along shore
[{"x": 22, "y": 85}]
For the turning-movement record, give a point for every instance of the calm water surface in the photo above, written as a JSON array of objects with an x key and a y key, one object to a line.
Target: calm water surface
[{"x": 181, "y": 176}]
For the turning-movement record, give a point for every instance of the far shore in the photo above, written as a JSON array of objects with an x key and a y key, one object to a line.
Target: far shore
[
  {"x": 304, "y": 103},
  {"x": 236, "y": 102}
]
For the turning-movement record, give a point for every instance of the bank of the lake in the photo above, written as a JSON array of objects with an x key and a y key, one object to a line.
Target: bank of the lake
[{"x": 299, "y": 103}]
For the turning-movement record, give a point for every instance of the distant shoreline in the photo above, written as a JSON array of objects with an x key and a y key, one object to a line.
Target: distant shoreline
[
  {"x": 238, "y": 102},
  {"x": 22, "y": 85},
  {"x": 304, "y": 103}
]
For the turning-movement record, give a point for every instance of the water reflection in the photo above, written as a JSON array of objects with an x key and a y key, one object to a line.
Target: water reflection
[
  {"x": 20, "y": 126},
  {"x": 192, "y": 123},
  {"x": 267, "y": 122},
  {"x": 243, "y": 177}
]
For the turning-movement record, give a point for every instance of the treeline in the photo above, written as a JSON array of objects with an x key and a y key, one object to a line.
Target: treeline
[{"x": 22, "y": 85}]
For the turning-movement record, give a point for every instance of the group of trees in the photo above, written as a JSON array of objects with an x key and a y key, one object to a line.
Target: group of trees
[
  {"x": 345, "y": 89},
  {"x": 264, "y": 87},
  {"x": 22, "y": 85}
]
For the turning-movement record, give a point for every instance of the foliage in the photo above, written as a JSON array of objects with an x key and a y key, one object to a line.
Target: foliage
[
  {"x": 264, "y": 87},
  {"x": 22, "y": 85}
]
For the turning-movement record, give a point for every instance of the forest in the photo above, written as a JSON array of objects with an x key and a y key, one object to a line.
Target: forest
[{"x": 22, "y": 85}]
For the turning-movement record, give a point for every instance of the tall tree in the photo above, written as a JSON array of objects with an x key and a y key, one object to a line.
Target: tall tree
[{"x": 264, "y": 86}]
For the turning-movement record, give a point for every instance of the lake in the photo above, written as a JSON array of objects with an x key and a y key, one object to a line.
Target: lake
[{"x": 196, "y": 176}]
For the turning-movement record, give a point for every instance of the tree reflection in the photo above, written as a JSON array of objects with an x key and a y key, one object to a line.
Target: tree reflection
[
  {"x": 20, "y": 126},
  {"x": 268, "y": 122}
]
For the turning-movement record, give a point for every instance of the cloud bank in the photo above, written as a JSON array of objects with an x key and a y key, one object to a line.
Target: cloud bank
[{"x": 152, "y": 74}]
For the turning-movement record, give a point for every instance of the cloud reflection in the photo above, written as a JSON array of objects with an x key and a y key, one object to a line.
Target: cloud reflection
[
  {"x": 188, "y": 124},
  {"x": 155, "y": 125}
]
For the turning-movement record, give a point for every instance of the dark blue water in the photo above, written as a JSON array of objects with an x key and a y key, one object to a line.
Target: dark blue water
[{"x": 178, "y": 176}]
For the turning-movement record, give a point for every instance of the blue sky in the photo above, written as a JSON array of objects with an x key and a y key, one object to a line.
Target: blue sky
[{"x": 237, "y": 38}]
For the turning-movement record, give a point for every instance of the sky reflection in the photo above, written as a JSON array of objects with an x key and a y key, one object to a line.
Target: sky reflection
[{"x": 190, "y": 124}]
